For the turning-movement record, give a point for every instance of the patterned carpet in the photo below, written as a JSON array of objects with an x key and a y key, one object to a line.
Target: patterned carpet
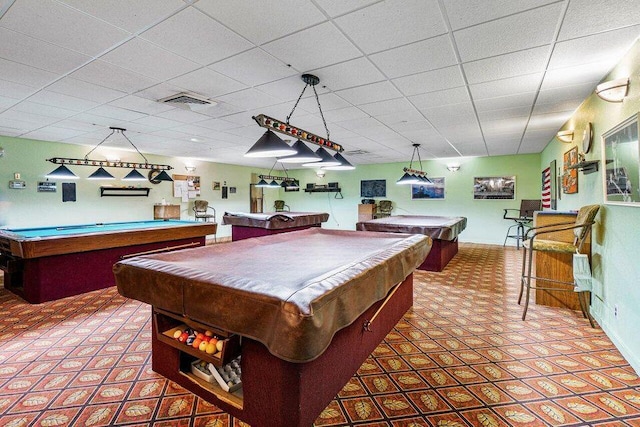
[{"x": 460, "y": 357}]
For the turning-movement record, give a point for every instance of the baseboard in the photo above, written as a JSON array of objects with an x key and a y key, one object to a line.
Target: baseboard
[{"x": 633, "y": 359}]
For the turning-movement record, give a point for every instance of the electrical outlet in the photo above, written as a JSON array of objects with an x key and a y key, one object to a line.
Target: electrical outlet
[{"x": 615, "y": 311}]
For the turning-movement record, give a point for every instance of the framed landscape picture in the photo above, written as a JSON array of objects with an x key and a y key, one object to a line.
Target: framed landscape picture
[
  {"x": 429, "y": 190},
  {"x": 494, "y": 188}
]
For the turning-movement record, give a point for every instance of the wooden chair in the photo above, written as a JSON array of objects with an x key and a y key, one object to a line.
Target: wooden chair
[
  {"x": 280, "y": 206},
  {"x": 534, "y": 241},
  {"x": 522, "y": 218}
]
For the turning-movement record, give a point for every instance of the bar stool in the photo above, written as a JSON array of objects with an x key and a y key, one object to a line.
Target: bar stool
[
  {"x": 522, "y": 219},
  {"x": 581, "y": 229}
]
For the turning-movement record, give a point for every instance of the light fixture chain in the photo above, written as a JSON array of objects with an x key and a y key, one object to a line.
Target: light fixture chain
[
  {"x": 145, "y": 159},
  {"x": 321, "y": 115},
  {"x": 296, "y": 104},
  {"x": 86, "y": 156}
]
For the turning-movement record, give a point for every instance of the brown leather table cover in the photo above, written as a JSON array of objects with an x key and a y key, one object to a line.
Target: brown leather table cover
[
  {"x": 290, "y": 291},
  {"x": 274, "y": 220},
  {"x": 436, "y": 227}
]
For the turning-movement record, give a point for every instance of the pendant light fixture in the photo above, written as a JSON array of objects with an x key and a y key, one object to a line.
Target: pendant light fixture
[
  {"x": 62, "y": 172},
  {"x": 269, "y": 181},
  {"x": 301, "y": 154},
  {"x": 269, "y": 145},
  {"x": 413, "y": 176},
  {"x": 343, "y": 166}
]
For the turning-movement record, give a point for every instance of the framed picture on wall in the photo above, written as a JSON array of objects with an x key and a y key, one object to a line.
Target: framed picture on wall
[
  {"x": 570, "y": 175},
  {"x": 621, "y": 162},
  {"x": 433, "y": 190},
  {"x": 494, "y": 188}
]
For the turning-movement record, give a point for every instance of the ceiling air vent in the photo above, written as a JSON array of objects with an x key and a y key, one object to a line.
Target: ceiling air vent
[
  {"x": 187, "y": 101},
  {"x": 356, "y": 153}
]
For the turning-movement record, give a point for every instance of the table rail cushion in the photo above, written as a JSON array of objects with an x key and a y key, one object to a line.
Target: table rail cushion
[
  {"x": 436, "y": 227},
  {"x": 274, "y": 220},
  {"x": 291, "y": 291}
]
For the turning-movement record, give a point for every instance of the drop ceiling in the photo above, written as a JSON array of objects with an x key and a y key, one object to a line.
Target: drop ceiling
[{"x": 459, "y": 77}]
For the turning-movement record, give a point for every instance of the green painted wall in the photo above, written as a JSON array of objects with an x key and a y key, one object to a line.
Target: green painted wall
[
  {"x": 616, "y": 243},
  {"x": 30, "y": 208},
  {"x": 484, "y": 224}
]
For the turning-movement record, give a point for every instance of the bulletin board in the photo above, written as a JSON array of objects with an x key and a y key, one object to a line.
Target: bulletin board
[{"x": 186, "y": 187}]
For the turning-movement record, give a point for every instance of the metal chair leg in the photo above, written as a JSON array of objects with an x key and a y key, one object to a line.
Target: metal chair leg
[
  {"x": 524, "y": 259},
  {"x": 528, "y": 284}
]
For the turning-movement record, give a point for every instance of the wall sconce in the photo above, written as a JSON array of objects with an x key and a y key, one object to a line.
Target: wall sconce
[
  {"x": 190, "y": 169},
  {"x": 62, "y": 172},
  {"x": 565, "y": 136},
  {"x": 614, "y": 90},
  {"x": 453, "y": 167},
  {"x": 320, "y": 174}
]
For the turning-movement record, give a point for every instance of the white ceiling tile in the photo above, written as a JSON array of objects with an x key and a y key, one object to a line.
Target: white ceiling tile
[
  {"x": 505, "y": 87},
  {"x": 340, "y": 7},
  {"x": 568, "y": 105},
  {"x": 30, "y": 118},
  {"x": 100, "y": 121},
  {"x": 116, "y": 113},
  {"x": 261, "y": 23},
  {"x": 411, "y": 125},
  {"x": 194, "y": 129},
  {"x": 535, "y": 141},
  {"x": 506, "y": 102},
  {"x": 328, "y": 102},
  {"x": 551, "y": 121},
  {"x": 149, "y": 60},
  {"x": 392, "y": 106},
  {"x": 182, "y": 116},
  {"x": 221, "y": 109},
  {"x": 52, "y": 133},
  {"x": 57, "y": 99},
  {"x": 463, "y": 13},
  {"x": 158, "y": 122},
  {"x": 504, "y": 139},
  {"x": 430, "y": 81},
  {"x": 373, "y": 92},
  {"x": 579, "y": 74},
  {"x": 16, "y": 126},
  {"x": 525, "y": 30},
  {"x": 24, "y": 74},
  {"x": 586, "y": 17},
  {"x": 440, "y": 98},
  {"x": 450, "y": 115},
  {"x": 216, "y": 124},
  {"x": 507, "y": 113},
  {"x": 509, "y": 65},
  {"x": 44, "y": 110},
  {"x": 73, "y": 87},
  {"x": 425, "y": 55},
  {"x": 141, "y": 105},
  {"x": 372, "y": 30},
  {"x": 15, "y": 90},
  {"x": 502, "y": 148},
  {"x": 254, "y": 67},
  {"x": 27, "y": 50},
  {"x": 6, "y": 102},
  {"x": 397, "y": 120},
  {"x": 577, "y": 92},
  {"x": 207, "y": 82},
  {"x": 609, "y": 46},
  {"x": 72, "y": 123},
  {"x": 178, "y": 33},
  {"x": 129, "y": 15},
  {"x": 290, "y": 88},
  {"x": 58, "y": 24},
  {"x": 348, "y": 74},
  {"x": 114, "y": 77},
  {"x": 344, "y": 114},
  {"x": 313, "y": 48},
  {"x": 7, "y": 131},
  {"x": 513, "y": 125},
  {"x": 249, "y": 99}
]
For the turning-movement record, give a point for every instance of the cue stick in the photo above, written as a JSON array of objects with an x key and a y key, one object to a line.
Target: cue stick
[
  {"x": 155, "y": 251},
  {"x": 367, "y": 323}
]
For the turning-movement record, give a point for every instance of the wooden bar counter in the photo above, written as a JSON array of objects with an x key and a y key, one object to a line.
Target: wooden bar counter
[{"x": 557, "y": 266}]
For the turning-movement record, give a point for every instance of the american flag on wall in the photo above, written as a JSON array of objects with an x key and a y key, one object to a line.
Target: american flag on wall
[{"x": 546, "y": 188}]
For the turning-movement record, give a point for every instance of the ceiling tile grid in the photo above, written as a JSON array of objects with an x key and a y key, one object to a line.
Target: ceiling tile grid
[{"x": 460, "y": 77}]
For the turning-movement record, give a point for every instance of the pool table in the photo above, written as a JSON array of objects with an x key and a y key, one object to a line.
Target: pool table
[
  {"x": 246, "y": 225},
  {"x": 443, "y": 230},
  {"x": 299, "y": 300},
  {"x": 48, "y": 263}
]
